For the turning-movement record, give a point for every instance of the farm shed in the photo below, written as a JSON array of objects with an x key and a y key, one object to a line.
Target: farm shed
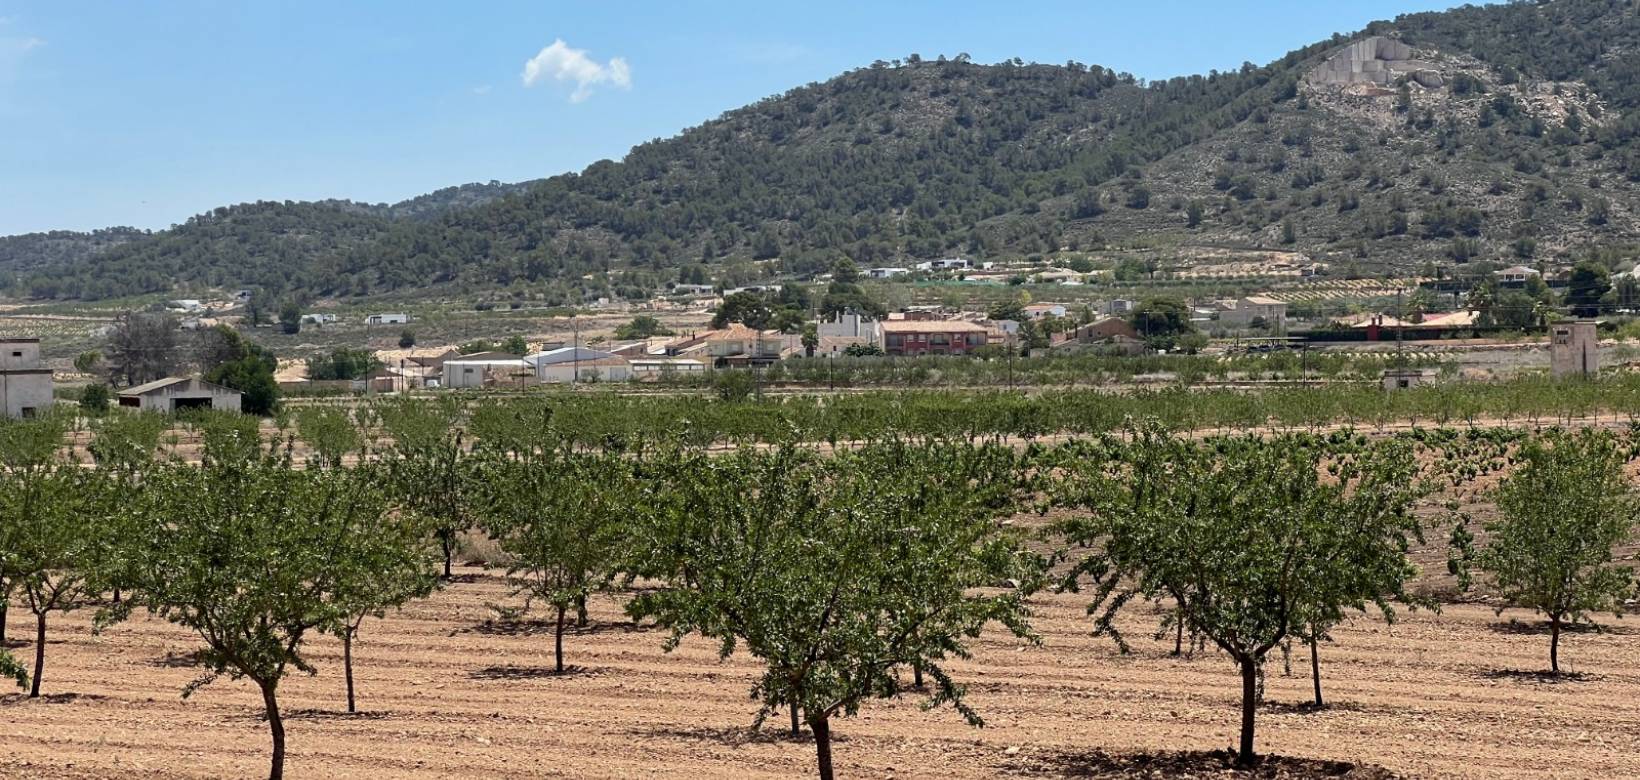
[{"x": 175, "y": 394}]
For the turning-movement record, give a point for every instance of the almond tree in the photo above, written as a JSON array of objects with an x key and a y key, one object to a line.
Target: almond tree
[
  {"x": 247, "y": 552},
  {"x": 382, "y": 561},
  {"x": 32, "y": 524},
  {"x": 1564, "y": 509},
  {"x": 58, "y": 544},
  {"x": 559, "y": 517},
  {"x": 428, "y": 466},
  {"x": 838, "y": 573},
  {"x": 1245, "y": 535}
]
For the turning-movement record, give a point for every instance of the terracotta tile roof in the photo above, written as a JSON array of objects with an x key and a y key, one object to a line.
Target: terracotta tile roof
[{"x": 931, "y": 326}]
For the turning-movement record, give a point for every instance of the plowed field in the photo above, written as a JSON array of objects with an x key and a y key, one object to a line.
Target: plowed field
[{"x": 444, "y": 693}]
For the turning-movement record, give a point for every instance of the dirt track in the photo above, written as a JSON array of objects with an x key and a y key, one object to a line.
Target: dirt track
[{"x": 444, "y": 697}]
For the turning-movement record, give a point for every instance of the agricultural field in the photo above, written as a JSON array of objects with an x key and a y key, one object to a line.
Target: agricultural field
[
  {"x": 446, "y": 692},
  {"x": 1067, "y": 584}
]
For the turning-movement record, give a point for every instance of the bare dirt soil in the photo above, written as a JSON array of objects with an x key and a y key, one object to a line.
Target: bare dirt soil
[{"x": 445, "y": 691}]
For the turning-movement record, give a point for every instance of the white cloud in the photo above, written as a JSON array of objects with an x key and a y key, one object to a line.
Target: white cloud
[{"x": 561, "y": 63}]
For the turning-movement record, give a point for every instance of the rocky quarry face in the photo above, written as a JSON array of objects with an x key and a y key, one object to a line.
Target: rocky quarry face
[{"x": 1378, "y": 62}]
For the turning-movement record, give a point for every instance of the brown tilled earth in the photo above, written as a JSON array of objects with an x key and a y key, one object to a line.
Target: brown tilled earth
[{"x": 444, "y": 693}]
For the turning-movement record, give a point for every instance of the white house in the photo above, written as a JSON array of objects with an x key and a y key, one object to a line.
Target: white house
[
  {"x": 693, "y": 289},
  {"x": 886, "y": 273},
  {"x": 318, "y": 319},
  {"x": 849, "y": 325},
  {"x": 387, "y": 319},
  {"x": 579, "y": 364},
  {"x": 946, "y": 264},
  {"x": 1272, "y": 312},
  {"x": 185, "y": 304},
  {"x": 25, "y": 387},
  {"x": 1515, "y": 274},
  {"x": 1037, "y": 311}
]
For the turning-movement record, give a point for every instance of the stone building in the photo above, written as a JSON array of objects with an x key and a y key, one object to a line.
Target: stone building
[
  {"x": 1574, "y": 349},
  {"x": 25, "y": 386}
]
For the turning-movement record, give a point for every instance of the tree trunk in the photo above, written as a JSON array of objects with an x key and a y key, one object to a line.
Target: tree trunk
[
  {"x": 347, "y": 666},
  {"x": 581, "y": 611},
  {"x": 1178, "y": 635},
  {"x": 797, "y": 730},
  {"x": 447, "y": 541},
  {"x": 39, "y": 655},
  {"x": 1245, "y": 758},
  {"x": 916, "y": 676},
  {"x": 5, "y": 605},
  {"x": 1315, "y": 670},
  {"x": 558, "y": 643},
  {"x": 1554, "y": 644},
  {"x": 821, "y": 727},
  {"x": 276, "y": 726}
]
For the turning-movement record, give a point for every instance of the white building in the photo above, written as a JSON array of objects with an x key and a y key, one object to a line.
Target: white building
[
  {"x": 886, "y": 273},
  {"x": 387, "y": 319},
  {"x": 185, "y": 304},
  {"x": 318, "y": 319},
  {"x": 694, "y": 289},
  {"x": 664, "y": 366},
  {"x": 579, "y": 364},
  {"x": 1515, "y": 274},
  {"x": 485, "y": 368},
  {"x": 180, "y": 393},
  {"x": 1037, "y": 311},
  {"x": 946, "y": 264},
  {"x": 25, "y": 387},
  {"x": 1256, "y": 307}
]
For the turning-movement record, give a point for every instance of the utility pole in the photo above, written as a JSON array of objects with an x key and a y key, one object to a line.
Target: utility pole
[
  {"x": 575, "y": 350},
  {"x": 1400, "y": 325}
]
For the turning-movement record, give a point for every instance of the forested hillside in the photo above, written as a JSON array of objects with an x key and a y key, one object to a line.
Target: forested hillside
[
  {"x": 1525, "y": 149},
  {"x": 58, "y": 248}
]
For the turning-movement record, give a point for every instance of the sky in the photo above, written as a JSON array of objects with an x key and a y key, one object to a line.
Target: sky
[{"x": 143, "y": 114}]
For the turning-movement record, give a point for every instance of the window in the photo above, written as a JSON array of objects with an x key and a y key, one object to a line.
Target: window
[
  {"x": 16, "y": 354},
  {"x": 28, "y": 411}
]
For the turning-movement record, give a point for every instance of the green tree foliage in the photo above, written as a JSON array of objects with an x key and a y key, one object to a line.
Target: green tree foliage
[
  {"x": 1564, "y": 509},
  {"x": 40, "y": 557},
  {"x": 1587, "y": 288},
  {"x": 342, "y": 363},
  {"x": 1244, "y": 535},
  {"x": 429, "y": 466},
  {"x": 844, "y": 294},
  {"x": 558, "y": 516},
  {"x": 748, "y": 308},
  {"x": 642, "y": 326},
  {"x": 95, "y": 398},
  {"x": 838, "y": 574},
  {"x": 245, "y": 366},
  {"x": 290, "y": 318},
  {"x": 380, "y": 562},
  {"x": 407, "y": 339},
  {"x": 248, "y": 553},
  {"x": 515, "y": 345},
  {"x": 1161, "y": 321},
  {"x": 88, "y": 362}
]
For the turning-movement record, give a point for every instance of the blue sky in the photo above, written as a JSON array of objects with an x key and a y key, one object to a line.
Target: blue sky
[{"x": 116, "y": 113}]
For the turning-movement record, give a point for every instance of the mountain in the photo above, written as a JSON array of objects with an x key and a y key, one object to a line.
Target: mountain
[{"x": 1496, "y": 133}]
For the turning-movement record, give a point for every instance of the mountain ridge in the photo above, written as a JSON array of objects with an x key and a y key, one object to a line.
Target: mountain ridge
[{"x": 921, "y": 158}]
